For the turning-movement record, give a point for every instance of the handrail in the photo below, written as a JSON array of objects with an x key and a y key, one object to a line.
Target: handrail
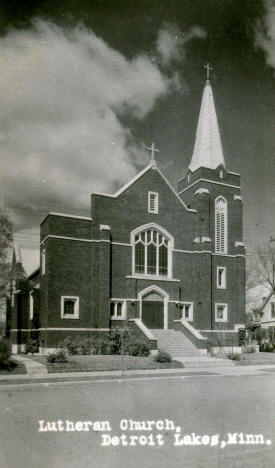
[
  {"x": 143, "y": 328},
  {"x": 191, "y": 329}
]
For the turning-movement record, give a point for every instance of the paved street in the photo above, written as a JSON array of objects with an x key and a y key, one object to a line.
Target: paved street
[{"x": 203, "y": 405}]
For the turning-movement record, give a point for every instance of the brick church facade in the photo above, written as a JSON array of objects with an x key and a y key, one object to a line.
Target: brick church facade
[{"x": 149, "y": 257}]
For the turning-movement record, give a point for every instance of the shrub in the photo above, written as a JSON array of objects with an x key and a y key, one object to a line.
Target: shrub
[
  {"x": 249, "y": 348},
  {"x": 78, "y": 345},
  {"x": 32, "y": 346},
  {"x": 138, "y": 348},
  {"x": 234, "y": 356},
  {"x": 5, "y": 354},
  {"x": 162, "y": 356},
  {"x": 266, "y": 347},
  {"x": 58, "y": 356}
]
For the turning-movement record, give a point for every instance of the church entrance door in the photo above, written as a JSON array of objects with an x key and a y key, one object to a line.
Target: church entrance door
[{"x": 153, "y": 310}]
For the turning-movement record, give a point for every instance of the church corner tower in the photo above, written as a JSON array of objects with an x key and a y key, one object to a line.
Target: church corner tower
[{"x": 214, "y": 191}]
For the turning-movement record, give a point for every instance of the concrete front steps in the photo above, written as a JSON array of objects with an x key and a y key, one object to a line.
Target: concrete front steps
[
  {"x": 183, "y": 350},
  {"x": 175, "y": 343}
]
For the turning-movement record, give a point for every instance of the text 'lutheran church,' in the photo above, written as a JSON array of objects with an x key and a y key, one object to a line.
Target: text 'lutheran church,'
[{"x": 168, "y": 263}]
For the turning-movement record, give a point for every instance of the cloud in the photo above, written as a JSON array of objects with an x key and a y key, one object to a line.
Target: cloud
[
  {"x": 171, "y": 41},
  {"x": 63, "y": 93},
  {"x": 265, "y": 33}
]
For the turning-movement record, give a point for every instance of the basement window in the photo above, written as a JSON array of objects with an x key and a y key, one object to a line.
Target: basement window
[{"x": 153, "y": 202}]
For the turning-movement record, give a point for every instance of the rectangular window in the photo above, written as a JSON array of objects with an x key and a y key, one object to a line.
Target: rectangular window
[
  {"x": 43, "y": 262},
  {"x": 31, "y": 305},
  {"x": 70, "y": 307},
  {"x": 153, "y": 202},
  {"x": 272, "y": 309},
  {"x": 187, "y": 311},
  {"x": 117, "y": 310},
  {"x": 221, "y": 277},
  {"x": 221, "y": 312}
]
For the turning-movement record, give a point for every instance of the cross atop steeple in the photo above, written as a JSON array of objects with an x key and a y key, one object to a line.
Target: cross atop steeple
[
  {"x": 208, "y": 69},
  {"x": 153, "y": 150}
]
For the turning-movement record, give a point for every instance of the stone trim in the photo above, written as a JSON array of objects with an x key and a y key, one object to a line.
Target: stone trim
[{"x": 211, "y": 181}]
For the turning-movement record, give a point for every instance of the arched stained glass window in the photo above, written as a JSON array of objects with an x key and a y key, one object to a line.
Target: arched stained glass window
[
  {"x": 151, "y": 252},
  {"x": 221, "y": 225}
]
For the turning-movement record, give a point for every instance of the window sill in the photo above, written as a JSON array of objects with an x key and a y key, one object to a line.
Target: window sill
[
  {"x": 221, "y": 321},
  {"x": 153, "y": 278},
  {"x": 69, "y": 317},
  {"x": 118, "y": 318}
]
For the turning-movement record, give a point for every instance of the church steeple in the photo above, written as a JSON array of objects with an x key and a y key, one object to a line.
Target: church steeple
[{"x": 208, "y": 147}]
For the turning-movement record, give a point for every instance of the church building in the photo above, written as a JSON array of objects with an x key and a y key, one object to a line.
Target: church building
[{"x": 150, "y": 257}]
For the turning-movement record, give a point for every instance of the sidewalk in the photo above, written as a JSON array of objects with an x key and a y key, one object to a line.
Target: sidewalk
[{"x": 81, "y": 377}]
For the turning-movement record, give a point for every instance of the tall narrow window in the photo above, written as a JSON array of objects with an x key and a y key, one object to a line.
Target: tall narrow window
[
  {"x": 221, "y": 225},
  {"x": 151, "y": 253},
  {"x": 43, "y": 261},
  {"x": 221, "y": 277},
  {"x": 153, "y": 202},
  {"x": 272, "y": 310}
]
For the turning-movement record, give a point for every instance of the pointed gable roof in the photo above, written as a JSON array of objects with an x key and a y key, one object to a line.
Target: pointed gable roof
[{"x": 208, "y": 147}]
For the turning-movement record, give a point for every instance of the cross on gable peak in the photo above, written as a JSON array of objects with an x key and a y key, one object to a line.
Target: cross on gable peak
[{"x": 152, "y": 149}]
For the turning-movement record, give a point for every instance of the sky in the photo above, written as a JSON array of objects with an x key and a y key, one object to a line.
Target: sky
[{"x": 86, "y": 86}]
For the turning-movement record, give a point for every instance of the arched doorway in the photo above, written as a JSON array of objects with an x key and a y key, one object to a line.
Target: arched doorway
[{"x": 153, "y": 307}]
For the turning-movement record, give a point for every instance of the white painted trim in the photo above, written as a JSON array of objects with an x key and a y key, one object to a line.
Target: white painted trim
[
  {"x": 63, "y": 215},
  {"x": 225, "y": 319},
  {"x": 104, "y": 227},
  {"x": 201, "y": 191},
  {"x": 239, "y": 244},
  {"x": 132, "y": 181},
  {"x": 59, "y": 329},
  {"x": 237, "y": 197},
  {"x": 211, "y": 181},
  {"x": 153, "y": 278},
  {"x": 228, "y": 255},
  {"x": 205, "y": 239},
  {"x": 75, "y": 315},
  {"x": 197, "y": 240},
  {"x": 223, "y": 285},
  {"x": 143, "y": 328},
  {"x": 120, "y": 299},
  {"x": 163, "y": 294},
  {"x": 122, "y": 243},
  {"x": 217, "y": 331},
  {"x": 233, "y": 173},
  {"x": 52, "y": 236},
  {"x": 192, "y": 251}
]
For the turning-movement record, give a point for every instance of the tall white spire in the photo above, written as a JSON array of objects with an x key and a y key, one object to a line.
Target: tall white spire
[{"x": 208, "y": 147}]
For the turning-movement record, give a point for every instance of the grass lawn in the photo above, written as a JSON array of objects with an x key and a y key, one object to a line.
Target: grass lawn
[
  {"x": 250, "y": 359},
  {"x": 105, "y": 363},
  {"x": 18, "y": 369}
]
